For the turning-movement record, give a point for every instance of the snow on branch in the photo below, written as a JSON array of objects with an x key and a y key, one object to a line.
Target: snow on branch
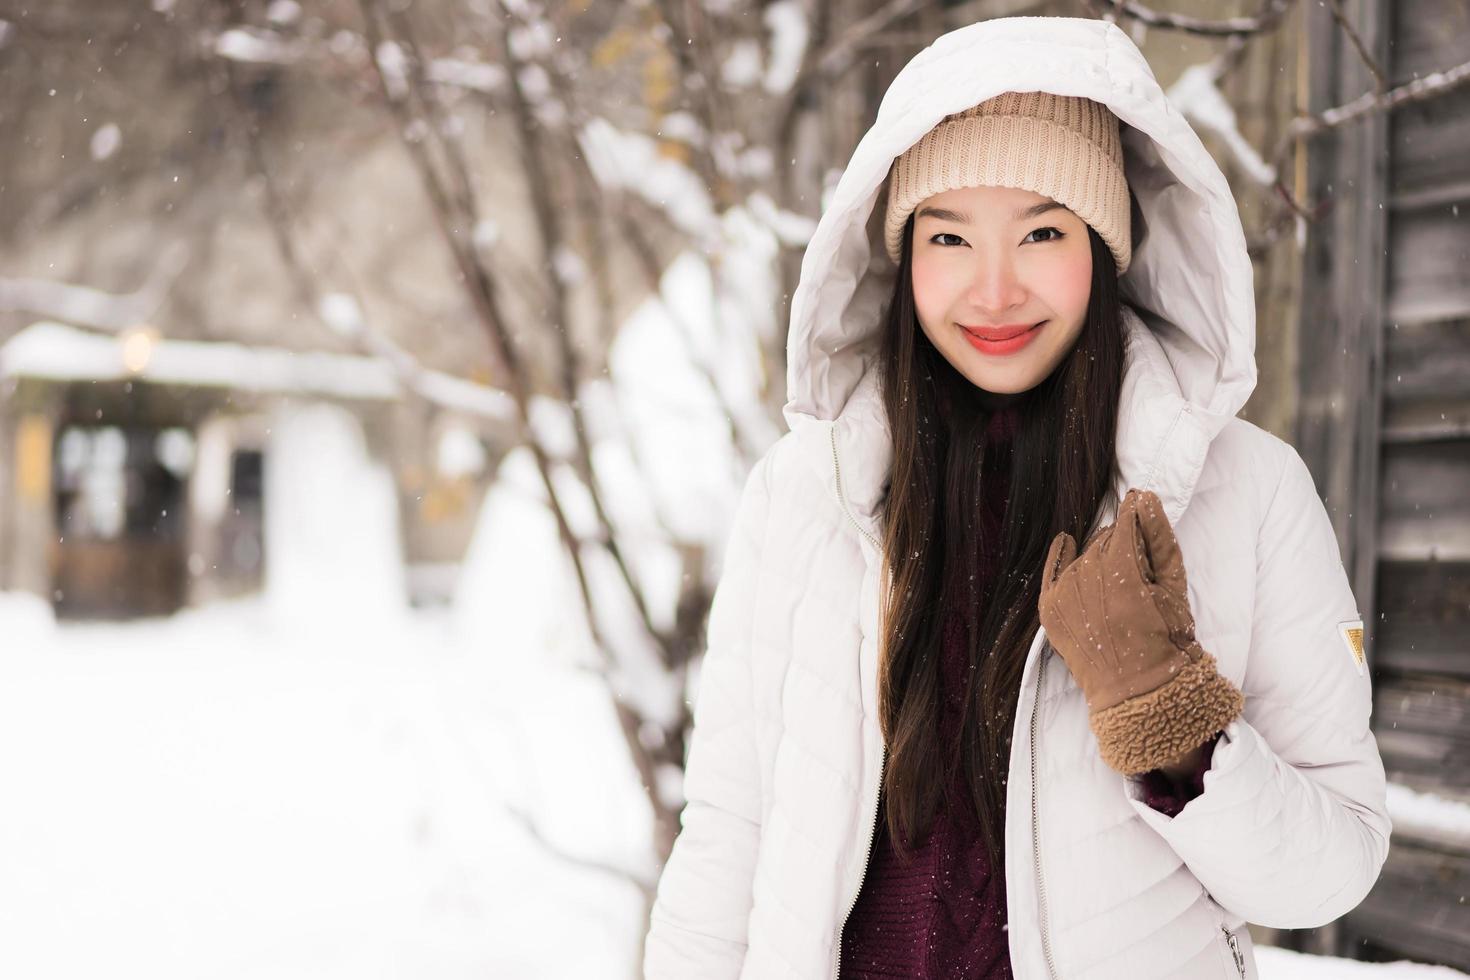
[
  {"x": 789, "y": 31},
  {"x": 256, "y": 46},
  {"x": 1429, "y": 86},
  {"x": 93, "y": 308},
  {"x": 1200, "y": 100},
  {"x": 1266, "y": 20},
  {"x": 344, "y": 50},
  {"x": 627, "y": 161}
]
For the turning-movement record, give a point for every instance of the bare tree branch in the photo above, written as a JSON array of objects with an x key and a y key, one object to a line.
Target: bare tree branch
[
  {"x": 435, "y": 387},
  {"x": 483, "y": 294},
  {"x": 596, "y": 207},
  {"x": 692, "y": 50},
  {"x": 1267, "y": 20},
  {"x": 835, "y": 59},
  {"x": 1304, "y": 127},
  {"x": 1341, "y": 17},
  {"x": 542, "y": 201},
  {"x": 345, "y": 56},
  {"x": 529, "y": 824},
  {"x": 615, "y": 203},
  {"x": 449, "y": 210},
  {"x": 1419, "y": 90},
  {"x": 637, "y": 239}
]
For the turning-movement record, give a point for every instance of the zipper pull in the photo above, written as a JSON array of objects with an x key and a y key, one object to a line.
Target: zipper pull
[{"x": 1235, "y": 951}]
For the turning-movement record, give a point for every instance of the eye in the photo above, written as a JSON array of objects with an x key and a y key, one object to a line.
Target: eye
[
  {"x": 1056, "y": 237},
  {"x": 946, "y": 234}
]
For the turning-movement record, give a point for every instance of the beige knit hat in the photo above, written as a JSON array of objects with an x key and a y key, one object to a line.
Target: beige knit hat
[{"x": 1062, "y": 146}]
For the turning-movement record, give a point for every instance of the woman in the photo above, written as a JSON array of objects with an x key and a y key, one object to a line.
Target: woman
[{"x": 963, "y": 712}]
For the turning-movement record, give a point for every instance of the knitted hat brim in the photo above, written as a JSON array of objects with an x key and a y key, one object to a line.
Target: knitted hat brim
[{"x": 1024, "y": 152}]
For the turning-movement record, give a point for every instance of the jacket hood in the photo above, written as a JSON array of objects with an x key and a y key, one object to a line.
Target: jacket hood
[{"x": 1188, "y": 297}]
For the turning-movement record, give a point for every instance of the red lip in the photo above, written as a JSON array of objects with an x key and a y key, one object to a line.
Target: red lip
[
  {"x": 1003, "y": 332},
  {"x": 1009, "y": 338}
]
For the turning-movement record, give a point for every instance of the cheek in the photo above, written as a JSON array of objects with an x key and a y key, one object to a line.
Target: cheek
[
  {"x": 931, "y": 291},
  {"x": 1072, "y": 284}
]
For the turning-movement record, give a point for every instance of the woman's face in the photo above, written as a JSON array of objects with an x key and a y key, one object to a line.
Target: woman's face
[{"x": 1000, "y": 257}]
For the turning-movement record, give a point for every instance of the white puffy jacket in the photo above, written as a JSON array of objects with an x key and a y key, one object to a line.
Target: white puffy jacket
[{"x": 785, "y": 757}]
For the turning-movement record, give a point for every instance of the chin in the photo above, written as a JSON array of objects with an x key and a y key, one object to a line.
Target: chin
[{"x": 1007, "y": 384}]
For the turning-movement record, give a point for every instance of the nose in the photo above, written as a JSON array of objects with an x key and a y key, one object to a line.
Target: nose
[{"x": 995, "y": 288}]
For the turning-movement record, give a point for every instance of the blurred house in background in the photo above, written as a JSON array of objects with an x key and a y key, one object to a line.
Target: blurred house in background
[{"x": 139, "y": 477}]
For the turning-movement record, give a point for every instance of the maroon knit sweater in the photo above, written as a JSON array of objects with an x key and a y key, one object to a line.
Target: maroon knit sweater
[{"x": 943, "y": 915}]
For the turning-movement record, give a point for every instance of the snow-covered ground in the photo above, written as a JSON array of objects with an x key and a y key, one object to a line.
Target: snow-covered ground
[
  {"x": 216, "y": 795},
  {"x": 320, "y": 782},
  {"x": 1283, "y": 964}
]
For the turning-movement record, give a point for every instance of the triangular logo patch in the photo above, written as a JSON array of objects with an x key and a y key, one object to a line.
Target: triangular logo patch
[{"x": 1352, "y": 637}]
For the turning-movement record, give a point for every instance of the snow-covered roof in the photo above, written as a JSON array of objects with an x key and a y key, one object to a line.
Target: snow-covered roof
[{"x": 59, "y": 352}]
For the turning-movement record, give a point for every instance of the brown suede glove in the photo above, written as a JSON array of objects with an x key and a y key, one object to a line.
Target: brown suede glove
[{"x": 1119, "y": 616}]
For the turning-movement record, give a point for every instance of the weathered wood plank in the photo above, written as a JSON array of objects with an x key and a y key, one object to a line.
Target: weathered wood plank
[
  {"x": 1431, "y": 420},
  {"x": 1425, "y": 510},
  {"x": 1428, "y": 254},
  {"x": 1428, "y": 140},
  {"x": 1424, "y": 619},
  {"x": 1422, "y": 724},
  {"x": 1418, "y": 909},
  {"x": 1427, "y": 360}
]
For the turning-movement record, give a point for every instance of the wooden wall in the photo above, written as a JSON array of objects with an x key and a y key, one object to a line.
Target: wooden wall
[{"x": 1385, "y": 427}]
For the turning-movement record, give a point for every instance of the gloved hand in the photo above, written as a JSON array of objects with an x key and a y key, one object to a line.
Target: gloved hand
[{"x": 1119, "y": 616}]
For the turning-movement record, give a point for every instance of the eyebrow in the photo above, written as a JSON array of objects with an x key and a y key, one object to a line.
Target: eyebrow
[{"x": 945, "y": 214}]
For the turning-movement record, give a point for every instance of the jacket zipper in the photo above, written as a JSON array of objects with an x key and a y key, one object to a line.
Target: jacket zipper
[
  {"x": 872, "y": 833},
  {"x": 883, "y": 758},
  {"x": 1051, "y": 969},
  {"x": 842, "y": 497},
  {"x": 1235, "y": 951}
]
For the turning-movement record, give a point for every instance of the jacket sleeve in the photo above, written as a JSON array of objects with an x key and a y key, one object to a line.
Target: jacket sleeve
[
  {"x": 1292, "y": 828},
  {"x": 699, "y": 917}
]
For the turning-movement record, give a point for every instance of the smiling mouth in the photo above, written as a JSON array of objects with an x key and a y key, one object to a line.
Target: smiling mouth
[{"x": 994, "y": 335}]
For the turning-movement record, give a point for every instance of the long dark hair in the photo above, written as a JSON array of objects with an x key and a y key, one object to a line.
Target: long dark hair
[{"x": 1063, "y": 464}]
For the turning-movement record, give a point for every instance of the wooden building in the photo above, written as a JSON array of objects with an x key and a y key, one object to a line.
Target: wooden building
[{"x": 1384, "y": 424}]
